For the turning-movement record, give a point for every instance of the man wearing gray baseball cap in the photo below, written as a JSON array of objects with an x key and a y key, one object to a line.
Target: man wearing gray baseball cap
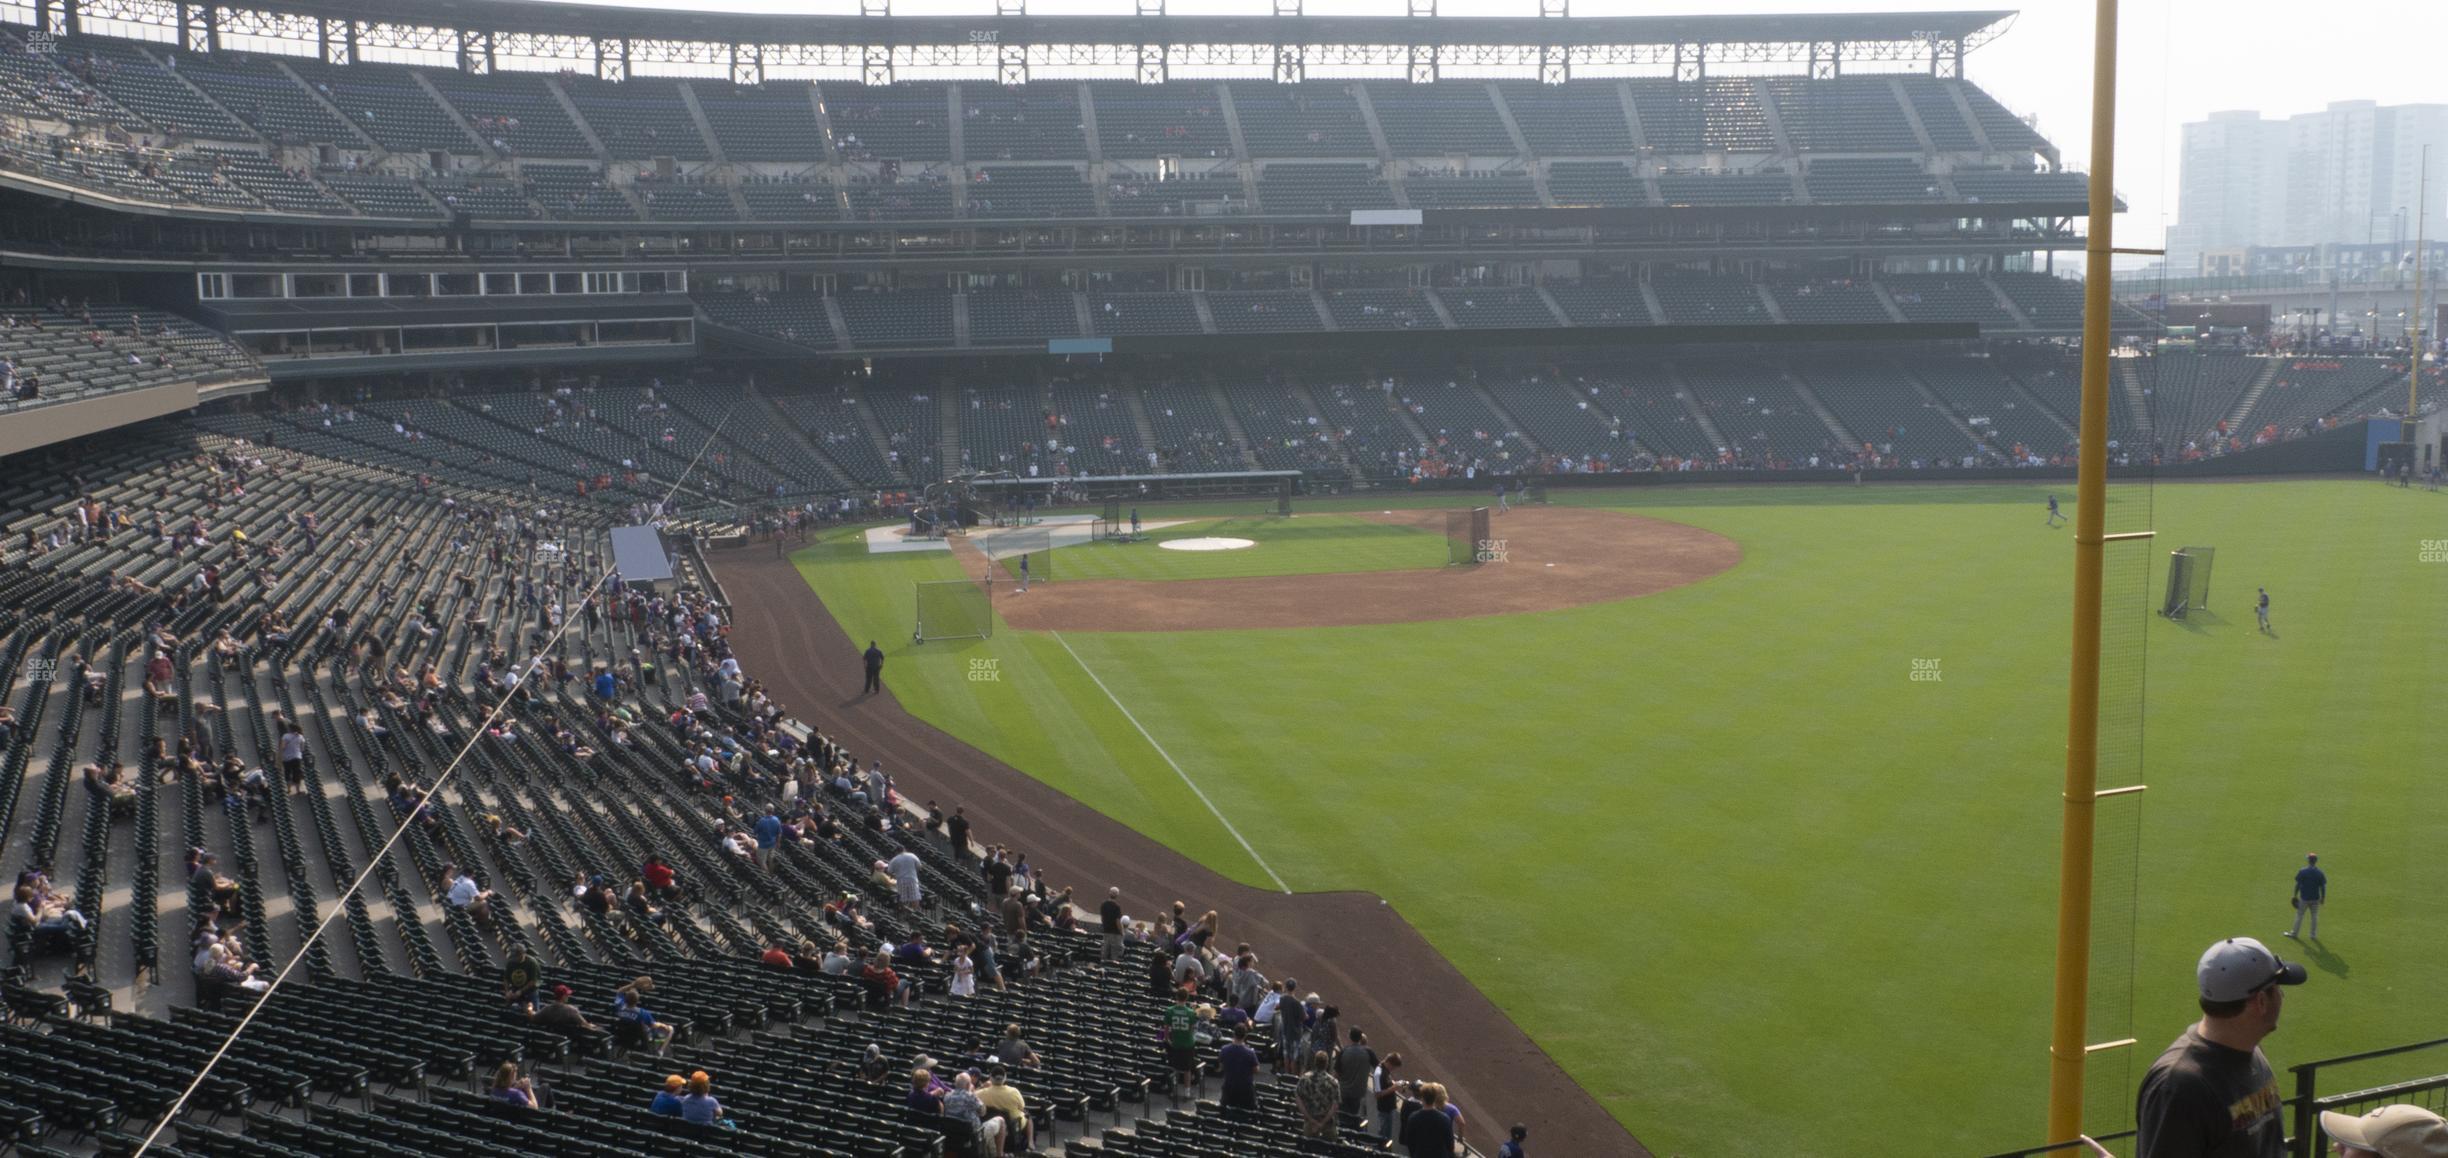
[{"x": 2213, "y": 1094}]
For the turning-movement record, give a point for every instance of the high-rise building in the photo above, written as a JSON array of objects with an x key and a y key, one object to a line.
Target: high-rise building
[
  {"x": 2346, "y": 175},
  {"x": 2231, "y": 187}
]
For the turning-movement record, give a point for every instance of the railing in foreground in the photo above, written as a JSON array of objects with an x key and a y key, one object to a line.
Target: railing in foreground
[{"x": 2305, "y": 1138}]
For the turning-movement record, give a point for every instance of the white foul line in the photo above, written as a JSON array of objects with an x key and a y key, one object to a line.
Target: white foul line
[{"x": 1177, "y": 768}]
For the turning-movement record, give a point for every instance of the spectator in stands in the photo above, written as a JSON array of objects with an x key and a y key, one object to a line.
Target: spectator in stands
[
  {"x": 768, "y": 834},
  {"x": 561, "y": 1015},
  {"x": 1014, "y": 1049},
  {"x": 904, "y": 868},
  {"x": 700, "y": 1107},
  {"x": 2213, "y": 1092},
  {"x": 1181, "y": 1038},
  {"x": 1109, "y": 923},
  {"x": 519, "y": 979},
  {"x": 2399, "y": 1131},
  {"x": 960, "y": 1101},
  {"x": 629, "y": 1006},
  {"x": 1005, "y": 1101},
  {"x": 873, "y": 1068},
  {"x": 1353, "y": 1064},
  {"x": 667, "y": 1100},
  {"x": 205, "y": 873},
  {"x": 49, "y": 927},
  {"x": 964, "y": 972},
  {"x": 885, "y": 987},
  {"x": 1429, "y": 1132},
  {"x": 459, "y": 891},
  {"x": 1319, "y": 1098},
  {"x": 660, "y": 880},
  {"x": 1291, "y": 1028},
  {"x": 925, "y": 1093},
  {"x": 637, "y": 903},
  {"x": 1387, "y": 1089},
  {"x": 224, "y": 968},
  {"x": 1240, "y": 1065},
  {"x": 510, "y": 1088}
]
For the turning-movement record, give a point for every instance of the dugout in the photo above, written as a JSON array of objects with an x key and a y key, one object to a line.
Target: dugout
[{"x": 1269, "y": 491}]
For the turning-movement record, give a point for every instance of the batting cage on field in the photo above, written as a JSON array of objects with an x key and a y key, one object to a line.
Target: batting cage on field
[
  {"x": 952, "y": 609},
  {"x": 1466, "y": 535},
  {"x": 2188, "y": 581},
  {"x": 1007, "y": 549}
]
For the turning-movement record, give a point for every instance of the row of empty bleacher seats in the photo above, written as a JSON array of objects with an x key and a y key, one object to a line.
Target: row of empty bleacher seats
[
  {"x": 1026, "y": 317},
  {"x": 1857, "y": 114},
  {"x": 1434, "y": 189},
  {"x": 1496, "y": 306},
  {"x": 639, "y": 118},
  {"x": 1164, "y": 120},
  {"x": 1841, "y": 300},
  {"x": 1426, "y": 120},
  {"x": 56, "y": 355},
  {"x": 230, "y": 96},
  {"x": 1684, "y": 297},
  {"x": 1030, "y": 191},
  {"x": 1323, "y": 188},
  {"x": 1609, "y": 183},
  {"x": 1381, "y": 309},
  {"x": 1874, "y": 401},
  {"x": 793, "y": 316},
  {"x": 1743, "y": 188},
  {"x": 1872, "y": 179}
]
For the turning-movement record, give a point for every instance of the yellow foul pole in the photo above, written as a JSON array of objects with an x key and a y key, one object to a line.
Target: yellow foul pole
[{"x": 2090, "y": 546}]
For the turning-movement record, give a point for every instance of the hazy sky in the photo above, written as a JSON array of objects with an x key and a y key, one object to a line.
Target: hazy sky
[{"x": 2180, "y": 59}]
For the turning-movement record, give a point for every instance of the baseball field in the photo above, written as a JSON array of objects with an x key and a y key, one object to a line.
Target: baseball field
[{"x": 1743, "y": 801}]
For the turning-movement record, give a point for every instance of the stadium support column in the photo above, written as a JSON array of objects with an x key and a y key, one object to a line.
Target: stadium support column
[{"x": 2081, "y": 793}]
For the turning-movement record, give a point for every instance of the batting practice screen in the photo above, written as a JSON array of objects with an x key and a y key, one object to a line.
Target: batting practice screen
[
  {"x": 1465, "y": 534},
  {"x": 2188, "y": 581},
  {"x": 952, "y": 609}
]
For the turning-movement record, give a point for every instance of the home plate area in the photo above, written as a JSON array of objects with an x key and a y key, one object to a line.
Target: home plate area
[{"x": 1555, "y": 557}]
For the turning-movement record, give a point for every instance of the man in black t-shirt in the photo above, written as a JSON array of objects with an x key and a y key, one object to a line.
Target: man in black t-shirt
[
  {"x": 956, "y": 830},
  {"x": 1109, "y": 915},
  {"x": 2213, "y": 1094}
]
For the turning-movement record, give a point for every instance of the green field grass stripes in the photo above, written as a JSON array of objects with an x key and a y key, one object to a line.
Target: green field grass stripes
[
  {"x": 1177, "y": 768},
  {"x": 1807, "y": 809}
]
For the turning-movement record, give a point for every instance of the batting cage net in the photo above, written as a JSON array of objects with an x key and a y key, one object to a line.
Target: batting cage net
[
  {"x": 1466, "y": 534},
  {"x": 2188, "y": 581},
  {"x": 1017, "y": 555},
  {"x": 952, "y": 609}
]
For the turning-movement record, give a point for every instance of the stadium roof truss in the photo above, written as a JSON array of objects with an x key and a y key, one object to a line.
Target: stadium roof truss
[{"x": 1013, "y": 47}]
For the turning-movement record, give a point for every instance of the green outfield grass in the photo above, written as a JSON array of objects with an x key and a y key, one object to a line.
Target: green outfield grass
[
  {"x": 1305, "y": 545},
  {"x": 1717, "y": 851}
]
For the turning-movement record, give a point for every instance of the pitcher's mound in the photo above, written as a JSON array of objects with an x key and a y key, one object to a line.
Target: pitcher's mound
[
  {"x": 1207, "y": 543},
  {"x": 1540, "y": 559}
]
